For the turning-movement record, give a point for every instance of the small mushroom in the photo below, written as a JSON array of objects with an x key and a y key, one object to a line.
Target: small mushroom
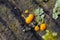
[
  {"x": 43, "y": 26},
  {"x": 29, "y": 19},
  {"x": 36, "y": 28}
]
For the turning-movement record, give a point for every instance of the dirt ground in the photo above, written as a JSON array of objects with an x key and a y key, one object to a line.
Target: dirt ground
[{"x": 11, "y": 20}]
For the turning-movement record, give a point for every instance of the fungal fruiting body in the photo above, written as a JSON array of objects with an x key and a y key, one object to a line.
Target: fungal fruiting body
[
  {"x": 29, "y": 19},
  {"x": 36, "y": 28},
  {"x": 26, "y": 11},
  {"x": 43, "y": 26}
]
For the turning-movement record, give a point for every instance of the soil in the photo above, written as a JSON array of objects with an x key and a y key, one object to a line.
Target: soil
[{"x": 12, "y": 24}]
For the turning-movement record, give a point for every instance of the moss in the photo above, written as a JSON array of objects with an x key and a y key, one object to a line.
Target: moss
[
  {"x": 49, "y": 35},
  {"x": 3, "y": 9},
  {"x": 13, "y": 26},
  {"x": 51, "y": 3}
]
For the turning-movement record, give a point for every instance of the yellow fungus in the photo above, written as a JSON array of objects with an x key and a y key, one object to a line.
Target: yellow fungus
[
  {"x": 26, "y": 11},
  {"x": 43, "y": 26},
  {"x": 29, "y": 19},
  {"x": 36, "y": 28}
]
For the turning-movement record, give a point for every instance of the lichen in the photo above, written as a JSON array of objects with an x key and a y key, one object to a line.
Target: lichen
[
  {"x": 39, "y": 15},
  {"x": 56, "y": 9}
]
